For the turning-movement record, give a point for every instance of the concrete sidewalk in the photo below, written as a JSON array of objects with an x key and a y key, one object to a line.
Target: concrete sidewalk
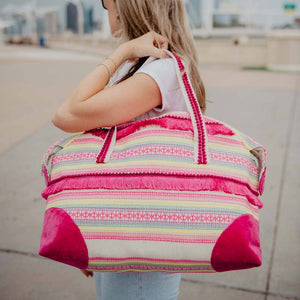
[{"x": 263, "y": 105}]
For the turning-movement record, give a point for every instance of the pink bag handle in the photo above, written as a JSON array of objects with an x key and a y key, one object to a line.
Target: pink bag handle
[{"x": 200, "y": 135}]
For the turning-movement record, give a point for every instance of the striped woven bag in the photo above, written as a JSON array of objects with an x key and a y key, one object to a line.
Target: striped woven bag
[{"x": 176, "y": 193}]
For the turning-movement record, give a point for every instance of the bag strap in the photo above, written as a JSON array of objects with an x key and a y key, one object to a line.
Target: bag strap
[{"x": 200, "y": 135}]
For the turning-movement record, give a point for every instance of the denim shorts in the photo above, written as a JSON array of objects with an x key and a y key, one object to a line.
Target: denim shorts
[{"x": 137, "y": 286}]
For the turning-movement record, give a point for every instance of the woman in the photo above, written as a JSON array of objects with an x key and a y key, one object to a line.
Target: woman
[{"x": 124, "y": 89}]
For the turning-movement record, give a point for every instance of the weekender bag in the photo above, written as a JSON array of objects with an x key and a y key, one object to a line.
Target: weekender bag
[{"x": 176, "y": 193}]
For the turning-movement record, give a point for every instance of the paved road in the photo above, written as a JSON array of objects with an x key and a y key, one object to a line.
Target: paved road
[{"x": 264, "y": 105}]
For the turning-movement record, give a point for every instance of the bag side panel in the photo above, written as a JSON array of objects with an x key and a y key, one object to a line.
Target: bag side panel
[
  {"x": 61, "y": 239},
  {"x": 238, "y": 247}
]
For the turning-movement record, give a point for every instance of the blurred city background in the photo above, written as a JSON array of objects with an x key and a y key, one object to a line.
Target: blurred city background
[
  {"x": 249, "y": 61},
  {"x": 207, "y": 17},
  {"x": 250, "y": 33}
]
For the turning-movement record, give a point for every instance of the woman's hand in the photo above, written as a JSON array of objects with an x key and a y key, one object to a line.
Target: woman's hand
[
  {"x": 149, "y": 44},
  {"x": 86, "y": 272}
]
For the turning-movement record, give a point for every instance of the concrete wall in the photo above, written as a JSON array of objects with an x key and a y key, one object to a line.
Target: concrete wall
[
  {"x": 283, "y": 50},
  {"x": 279, "y": 51},
  {"x": 239, "y": 52}
]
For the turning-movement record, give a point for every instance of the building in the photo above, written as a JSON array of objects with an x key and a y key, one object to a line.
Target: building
[
  {"x": 79, "y": 17},
  {"x": 16, "y": 27},
  {"x": 193, "y": 8},
  {"x": 230, "y": 17},
  {"x": 51, "y": 20},
  {"x": 88, "y": 18},
  {"x": 206, "y": 17},
  {"x": 48, "y": 21},
  {"x": 72, "y": 17},
  {"x": 28, "y": 20},
  {"x": 220, "y": 18},
  {"x": 23, "y": 18}
]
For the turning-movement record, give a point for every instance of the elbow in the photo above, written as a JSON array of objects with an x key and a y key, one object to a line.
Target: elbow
[
  {"x": 57, "y": 121},
  {"x": 63, "y": 122}
]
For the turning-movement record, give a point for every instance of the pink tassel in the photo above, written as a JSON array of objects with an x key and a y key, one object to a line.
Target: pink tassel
[
  {"x": 169, "y": 121},
  {"x": 152, "y": 182}
]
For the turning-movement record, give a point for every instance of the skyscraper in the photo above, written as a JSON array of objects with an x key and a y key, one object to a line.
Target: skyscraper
[
  {"x": 88, "y": 18},
  {"x": 72, "y": 17}
]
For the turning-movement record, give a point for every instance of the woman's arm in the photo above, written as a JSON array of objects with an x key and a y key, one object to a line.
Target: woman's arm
[{"x": 90, "y": 105}]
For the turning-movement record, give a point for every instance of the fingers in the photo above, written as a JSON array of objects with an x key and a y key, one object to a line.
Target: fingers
[
  {"x": 160, "y": 43},
  {"x": 150, "y": 44},
  {"x": 159, "y": 53}
]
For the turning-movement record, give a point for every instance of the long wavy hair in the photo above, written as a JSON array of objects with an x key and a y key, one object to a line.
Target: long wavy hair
[{"x": 168, "y": 18}]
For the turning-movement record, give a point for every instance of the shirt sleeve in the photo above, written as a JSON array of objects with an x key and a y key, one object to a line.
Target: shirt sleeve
[{"x": 164, "y": 73}]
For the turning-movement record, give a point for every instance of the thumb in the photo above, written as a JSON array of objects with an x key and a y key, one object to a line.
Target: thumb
[{"x": 159, "y": 53}]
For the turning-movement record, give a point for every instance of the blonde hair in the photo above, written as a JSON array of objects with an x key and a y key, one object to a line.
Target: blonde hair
[{"x": 168, "y": 18}]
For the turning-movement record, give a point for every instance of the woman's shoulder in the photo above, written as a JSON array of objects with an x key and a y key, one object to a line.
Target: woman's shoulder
[
  {"x": 160, "y": 64},
  {"x": 164, "y": 67},
  {"x": 162, "y": 70}
]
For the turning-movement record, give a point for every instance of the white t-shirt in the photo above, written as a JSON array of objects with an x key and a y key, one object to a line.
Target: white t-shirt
[{"x": 164, "y": 73}]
